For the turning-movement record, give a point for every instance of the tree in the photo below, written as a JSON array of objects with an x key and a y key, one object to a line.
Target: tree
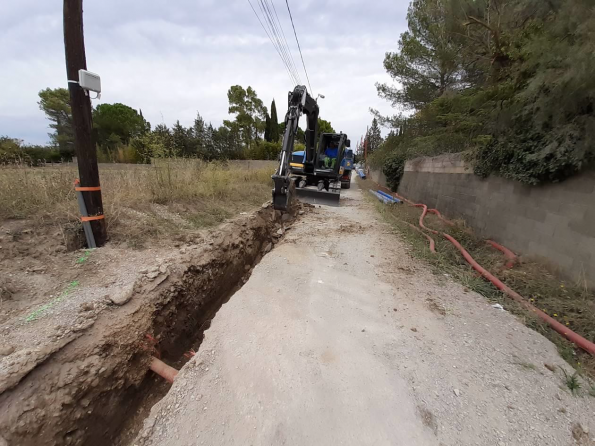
[
  {"x": 275, "y": 135},
  {"x": 164, "y": 139},
  {"x": 116, "y": 124},
  {"x": 324, "y": 126},
  {"x": 183, "y": 140},
  {"x": 55, "y": 103},
  {"x": 12, "y": 151},
  {"x": 227, "y": 142},
  {"x": 374, "y": 137},
  {"x": 267, "y": 129},
  {"x": 147, "y": 124},
  {"x": 198, "y": 136},
  {"x": 428, "y": 62},
  {"x": 250, "y": 112}
]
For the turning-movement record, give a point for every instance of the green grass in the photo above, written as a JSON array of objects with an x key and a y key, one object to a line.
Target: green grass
[{"x": 570, "y": 303}]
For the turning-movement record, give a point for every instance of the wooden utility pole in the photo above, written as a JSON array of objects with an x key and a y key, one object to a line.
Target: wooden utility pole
[{"x": 74, "y": 46}]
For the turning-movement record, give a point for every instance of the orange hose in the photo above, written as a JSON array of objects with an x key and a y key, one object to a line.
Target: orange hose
[
  {"x": 573, "y": 337},
  {"x": 162, "y": 369},
  {"x": 511, "y": 256}
]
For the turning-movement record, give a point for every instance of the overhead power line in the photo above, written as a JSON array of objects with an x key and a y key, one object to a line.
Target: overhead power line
[
  {"x": 270, "y": 23},
  {"x": 285, "y": 40},
  {"x": 273, "y": 29},
  {"x": 299, "y": 48},
  {"x": 272, "y": 42}
]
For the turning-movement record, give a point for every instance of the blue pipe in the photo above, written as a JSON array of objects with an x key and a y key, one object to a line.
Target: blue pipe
[
  {"x": 381, "y": 197},
  {"x": 389, "y": 196}
]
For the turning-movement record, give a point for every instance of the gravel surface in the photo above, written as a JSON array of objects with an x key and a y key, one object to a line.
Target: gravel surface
[{"x": 341, "y": 337}]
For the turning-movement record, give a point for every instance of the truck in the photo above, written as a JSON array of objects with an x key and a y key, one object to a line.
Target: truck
[{"x": 348, "y": 165}]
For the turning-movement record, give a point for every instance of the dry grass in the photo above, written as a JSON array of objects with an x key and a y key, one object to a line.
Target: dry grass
[
  {"x": 570, "y": 303},
  {"x": 140, "y": 201}
]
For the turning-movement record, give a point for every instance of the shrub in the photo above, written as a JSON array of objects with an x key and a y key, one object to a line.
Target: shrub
[{"x": 393, "y": 169}]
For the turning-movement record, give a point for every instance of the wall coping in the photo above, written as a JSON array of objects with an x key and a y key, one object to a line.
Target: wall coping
[{"x": 447, "y": 163}]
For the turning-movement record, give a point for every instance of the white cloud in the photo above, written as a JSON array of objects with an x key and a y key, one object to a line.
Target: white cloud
[{"x": 172, "y": 59}]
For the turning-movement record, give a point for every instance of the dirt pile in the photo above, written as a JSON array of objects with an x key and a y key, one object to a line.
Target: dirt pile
[{"x": 86, "y": 386}]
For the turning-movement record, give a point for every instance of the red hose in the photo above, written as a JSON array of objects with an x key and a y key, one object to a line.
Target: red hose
[
  {"x": 573, "y": 337},
  {"x": 422, "y": 216},
  {"x": 441, "y": 217},
  {"x": 430, "y": 239},
  {"x": 511, "y": 256},
  {"x": 562, "y": 329}
]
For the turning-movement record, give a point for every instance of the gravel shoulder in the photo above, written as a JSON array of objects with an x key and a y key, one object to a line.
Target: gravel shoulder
[{"x": 341, "y": 337}]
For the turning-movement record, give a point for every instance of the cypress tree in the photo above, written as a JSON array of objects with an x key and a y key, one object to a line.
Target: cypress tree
[
  {"x": 274, "y": 132},
  {"x": 267, "y": 129}
]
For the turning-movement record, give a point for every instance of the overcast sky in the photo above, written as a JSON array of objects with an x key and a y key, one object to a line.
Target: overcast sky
[{"x": 172, "y": 59}]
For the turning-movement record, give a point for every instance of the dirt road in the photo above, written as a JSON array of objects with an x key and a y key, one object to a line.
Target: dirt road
[{"x": 341, "y": 337}]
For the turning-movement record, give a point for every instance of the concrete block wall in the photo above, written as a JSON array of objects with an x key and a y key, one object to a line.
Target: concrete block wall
[
  {"x": 554, "y": 221},
  {"x": 378, "y": 177}
]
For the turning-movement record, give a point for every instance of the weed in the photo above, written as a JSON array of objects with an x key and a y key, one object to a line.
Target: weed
[
  {"x": 572, "y": 381},
  {"x": 592, "y": 390}
]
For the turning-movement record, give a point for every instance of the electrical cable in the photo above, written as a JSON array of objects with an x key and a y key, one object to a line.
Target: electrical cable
[
  {"x": 285, "y": 40},
  {"x": 273, "y": 31},
  {"x": 270, "y": 38},
  {"x": 299, "y": 48}
]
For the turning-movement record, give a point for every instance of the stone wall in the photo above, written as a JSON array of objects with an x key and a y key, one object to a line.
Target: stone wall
[{"x": 554, "y": 221}]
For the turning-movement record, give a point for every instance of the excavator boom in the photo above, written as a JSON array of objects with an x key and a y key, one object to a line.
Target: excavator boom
[{"x": 299, "y": 102}]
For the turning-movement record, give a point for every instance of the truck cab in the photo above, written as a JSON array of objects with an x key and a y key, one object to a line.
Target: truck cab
[{"x": 348, "y": 165}]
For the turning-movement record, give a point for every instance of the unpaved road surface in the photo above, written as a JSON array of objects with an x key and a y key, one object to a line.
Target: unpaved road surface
[{"x": 341, "y": 337}]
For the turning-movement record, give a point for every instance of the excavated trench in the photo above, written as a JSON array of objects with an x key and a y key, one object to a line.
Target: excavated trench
[{"x": 98, "y": 389}]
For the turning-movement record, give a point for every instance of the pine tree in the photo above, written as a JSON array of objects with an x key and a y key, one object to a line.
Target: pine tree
[
  {"x": 180, "y": 139},
  {"x": 429, "y": 60},
  {"x": 197, "y": 135},
  {"x": 55, "y": 103},
  {"x": 374, "y": 137},
  {"x": 210, "y": 149}
]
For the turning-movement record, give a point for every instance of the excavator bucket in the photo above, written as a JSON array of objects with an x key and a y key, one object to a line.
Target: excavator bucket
[
  {"x": 283, "y": 193},
  {"x": 313, "y": 196}
]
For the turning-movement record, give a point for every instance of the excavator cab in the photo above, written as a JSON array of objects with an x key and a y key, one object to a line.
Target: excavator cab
[{"x": 319, "y": 181}]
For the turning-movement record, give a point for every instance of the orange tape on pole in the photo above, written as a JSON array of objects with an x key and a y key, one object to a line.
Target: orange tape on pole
[
  {"x": 87, "y": 189},
  {"x": 95, "y": 217}
]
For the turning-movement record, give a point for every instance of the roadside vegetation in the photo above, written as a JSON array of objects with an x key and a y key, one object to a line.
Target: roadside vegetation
[
  {"x": 171, "y": 197},
  {"x": 123, "y": 135},
  {"x": 507, "y": 82},
  {"x": 571, "y": 303}
]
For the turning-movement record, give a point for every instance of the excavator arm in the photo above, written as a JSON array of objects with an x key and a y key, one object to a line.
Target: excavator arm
[{"x": 299, "y": 102}]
